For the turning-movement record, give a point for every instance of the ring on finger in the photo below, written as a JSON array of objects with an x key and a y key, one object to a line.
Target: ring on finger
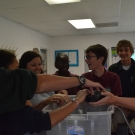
[{"x": 66, "y": 101}]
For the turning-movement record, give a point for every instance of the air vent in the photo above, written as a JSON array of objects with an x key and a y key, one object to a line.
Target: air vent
[{"x": 111, "y": 24}]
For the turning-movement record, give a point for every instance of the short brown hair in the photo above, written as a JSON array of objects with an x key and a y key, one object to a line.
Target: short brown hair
[
  {"x": 124, "y": 43},
  {"x": 99, "y": 50}
]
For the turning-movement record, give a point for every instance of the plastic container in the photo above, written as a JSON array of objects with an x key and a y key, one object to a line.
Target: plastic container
[{"x": 85, "y": 120}]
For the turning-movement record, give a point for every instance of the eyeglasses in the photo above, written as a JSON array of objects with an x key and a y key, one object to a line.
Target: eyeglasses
[{"x": 88, "y": 57}]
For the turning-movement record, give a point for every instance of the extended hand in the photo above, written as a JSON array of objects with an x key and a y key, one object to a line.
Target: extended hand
[
  {"x": 63, "y": 92},
  {"x": 60, "y": 99},
  {"x": 109, "y": 99},
  {"x": 93, "y": 85},
  {"x": 81, "y": 94}
]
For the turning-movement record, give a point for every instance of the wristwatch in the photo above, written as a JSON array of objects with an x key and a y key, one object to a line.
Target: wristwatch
[{"x": 82, "y": 80}]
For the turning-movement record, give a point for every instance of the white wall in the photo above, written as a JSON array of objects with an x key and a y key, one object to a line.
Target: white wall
[
  {"x": 16, "y": 35},
  {"x": 82, "y": 42}
]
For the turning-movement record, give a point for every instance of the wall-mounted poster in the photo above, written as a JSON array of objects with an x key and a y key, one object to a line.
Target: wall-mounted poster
[
  {"x": 36, "y": 50},
  {"x": 115, "y": 57},
  {"x": 72, "y": 54},
  {"x": 43, "y": 53},
  {"x": 133, "y": 56}
]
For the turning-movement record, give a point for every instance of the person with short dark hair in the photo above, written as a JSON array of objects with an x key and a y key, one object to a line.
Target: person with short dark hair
[
  {"x": 62, "y": 64},
  {"x": 7, "y": 59},
  {"x": 96, "y": 56}
]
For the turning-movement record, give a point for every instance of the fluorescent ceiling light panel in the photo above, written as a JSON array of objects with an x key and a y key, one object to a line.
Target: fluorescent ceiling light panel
[
  {"x": 51, "y": 2},
  {"x": 82, "y": 23}
]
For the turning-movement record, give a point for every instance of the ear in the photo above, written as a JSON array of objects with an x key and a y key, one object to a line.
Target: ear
[{"x": 101, "y": 59}]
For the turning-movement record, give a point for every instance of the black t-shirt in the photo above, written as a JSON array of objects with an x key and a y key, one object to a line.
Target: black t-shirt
[
  {"x": 24, "y": 120},
  {"x": 16, "y": 86}
]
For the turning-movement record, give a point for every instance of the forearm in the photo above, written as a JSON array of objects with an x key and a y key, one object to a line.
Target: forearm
[
  {"x": 128, "y": 103},
  {"x": 58, "y": 115},
  {"x": 48, "y": 83},
  {"x": 42, "y": 104}
]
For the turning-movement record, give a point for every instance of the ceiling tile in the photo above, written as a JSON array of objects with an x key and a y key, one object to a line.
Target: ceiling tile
[
  {"x": 39, "y": 26},
  {"x": 52, "y": 33},
  {"x": 52, "y": 19},
  {"x": 126, "y": 29},
  {"x": 33, "y": 14},
  {"x": 89, "y": 31},
  {"x": 127, "y": 20},
  {"x": 5, "y": 4},
  {"x": 103, "y": 8},
  {"x": 105, "y": 19},
  {"x": 71, "y": 11},
  {"x": 69, "y": 32},
  {"x": 127, "y": 8},
  {"x": 108, "y": 30},
  {"x": 60, "y": 25}
]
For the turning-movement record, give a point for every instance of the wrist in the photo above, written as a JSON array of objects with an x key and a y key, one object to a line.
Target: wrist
[
  {"x": 75, "y": 101},
  {"x": 50, "y": 100},
  {"x": 116, "y": 100},
  {"x": 82, "y": 80}
]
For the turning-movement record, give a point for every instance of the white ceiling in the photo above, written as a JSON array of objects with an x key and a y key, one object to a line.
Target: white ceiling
[{"x": 52, "y": 19}]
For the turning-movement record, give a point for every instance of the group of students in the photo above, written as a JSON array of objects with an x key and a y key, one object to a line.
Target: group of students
[
  {"x": 119, "y": 79},
  {"x": 18, "y": 86}
]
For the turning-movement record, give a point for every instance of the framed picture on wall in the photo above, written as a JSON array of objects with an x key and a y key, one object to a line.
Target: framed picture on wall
[
  {"x": 43, "y": 54},
  {"x": 133, "y": 55},
  {"x": 72, "y": 54},
  {"x": 115, "y": 57}
]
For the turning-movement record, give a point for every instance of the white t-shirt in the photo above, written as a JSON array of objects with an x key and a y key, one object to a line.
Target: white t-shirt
[
  {"x": 40, "y": 97},
  {"x": 126, "y": 67}
]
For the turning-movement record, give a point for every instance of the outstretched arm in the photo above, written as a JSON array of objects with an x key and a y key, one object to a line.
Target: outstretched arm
[
  {"x": 48, "y": 83},
  {"x": 59, "y": 114},
  {"x": 59, "y": 99},
  {"x": 110, "y": 99}
]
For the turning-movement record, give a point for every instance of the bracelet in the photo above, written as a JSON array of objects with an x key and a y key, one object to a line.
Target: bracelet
[{"x": 75, "y": 100}]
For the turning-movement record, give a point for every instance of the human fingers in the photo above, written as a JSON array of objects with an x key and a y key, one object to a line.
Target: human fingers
[
  {"x": 99, "y": 87},
  {"x": 100, "y": 90},
  {"x": 106, "y": 93},
  {"x": 91, "y": 90},
  {"x": 108, "y": 99},
  {"x": 65, "y": 97},
  {"x": 93, "y": 85},
  {"x": 63, "y": 92},
  {"x": 80, "y": 96},
  {"x": 98, "y": 103},
  {"x": 82, "y": 92},
  {"x": 58, "y": 99}
]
